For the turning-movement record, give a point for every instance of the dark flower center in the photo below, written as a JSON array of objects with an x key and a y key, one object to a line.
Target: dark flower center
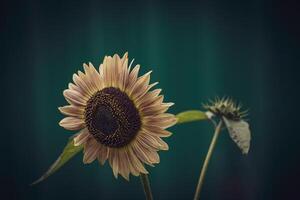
[{"x": 112, "y": 118}]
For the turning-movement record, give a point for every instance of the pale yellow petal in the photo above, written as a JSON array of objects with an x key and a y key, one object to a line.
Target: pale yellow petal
[
  {"x": 103, "y": 154},
  {"x": 91, "y": 149},
  {"x": 151, "y": 153},
  {"x": 106, "y": 71},
  {"x": 156, "y": 109},
  {"x": 93, "y": 77},
  {"x": 74, "y": 97},
  {"x": 77, "y": 89},
  {"x": 140, "y": 87},
  {"x": 153, "y": 141},
  {"x": 116, "y": 71},
  {"x": 137, "y": 166},
  {"x": 148, "y": 98},
  {"x": 82, "y": 137},
  {"x": 124, "y": 168},
  {"x": 146, "y": 91},
  {"x": 114, "y": 161},
  {"x": 72, "y": 110},
  {"x": 143, "y": 154},
  {"x": 87, "y": 77},
  {"x": 80, "y": 81},
  {"x": 164, "y": 120},
  {"x": 72, "y": 123},
  {"x": 132, "y": 77},
  {"x": 124, "y": 73},
  {"x": 156, "y": 131}
]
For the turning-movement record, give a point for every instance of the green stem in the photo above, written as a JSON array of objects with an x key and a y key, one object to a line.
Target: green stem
[
  {"x": 207, "y": 159},
  {"x": 146, "y": 185}
]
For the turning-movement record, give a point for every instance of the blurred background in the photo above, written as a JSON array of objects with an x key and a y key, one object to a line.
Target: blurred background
[{"x": 248, "y": 50}]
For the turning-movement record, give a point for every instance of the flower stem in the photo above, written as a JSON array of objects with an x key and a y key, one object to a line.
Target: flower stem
[
  {"x": 207, "y": 159},
  {"x": 146, "y": 185}
]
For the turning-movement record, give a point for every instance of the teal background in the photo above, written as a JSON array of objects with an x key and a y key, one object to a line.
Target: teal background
[{"x": 197, "y": 50}]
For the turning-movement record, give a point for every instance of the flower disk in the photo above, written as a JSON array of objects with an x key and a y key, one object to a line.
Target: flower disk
[
  {"x": 112, "y": 118},
  {"x": 118, "y": 116}
]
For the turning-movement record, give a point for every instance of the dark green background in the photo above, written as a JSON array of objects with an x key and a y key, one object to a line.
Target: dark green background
[{"x": 197, "y": 50}]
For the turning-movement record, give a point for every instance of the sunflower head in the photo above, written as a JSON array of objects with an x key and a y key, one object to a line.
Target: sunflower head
[
  {"x": 118, "y": 116},
  {"x": 225, "y": 107}
]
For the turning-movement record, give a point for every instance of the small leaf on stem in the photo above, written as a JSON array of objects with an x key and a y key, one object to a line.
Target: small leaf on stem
[{"x": 190, "y": 116}]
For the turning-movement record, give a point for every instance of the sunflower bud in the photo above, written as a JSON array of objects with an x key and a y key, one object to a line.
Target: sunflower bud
[{"x": 225, "y": 107}]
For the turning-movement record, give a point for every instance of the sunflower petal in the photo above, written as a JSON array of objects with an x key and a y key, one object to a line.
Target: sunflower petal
[
  {"x": 124, "y": 72},
  {"x": 132, "y": 77},
  {"x": 140, "y": 87},
  {"x": 91, "y": 149},
  {"x": 151, "y": 153},
  {"x": 82, "y": 137},
  {"x": 153, "y": 141},
  {"x": 143, "y": 154},
  {"x": 156, "y": 109},
  {"x": 148, "y": 98},
  {"x": 103, "y": 154},
  {"x": 114, "y": 161},
  {"x": 164, "y": 120},
  {"x": 156, "y": 131},
  {"x": 81, "y": 83},
  {"x": 72, "y": 123},
  {"x": 71, "y": 110},
  {"x": 138, "y": 167},
  {"x": 124, "y": 169},
  {"x": 74, "y": 97}
]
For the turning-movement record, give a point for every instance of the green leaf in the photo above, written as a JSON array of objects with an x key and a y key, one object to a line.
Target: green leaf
[
  {"x": 191, "y": 116},
  {"x": 69, "y": 151}
]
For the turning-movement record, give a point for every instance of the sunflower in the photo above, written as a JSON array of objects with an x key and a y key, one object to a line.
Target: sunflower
[{"x": 118, "y": 118}]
